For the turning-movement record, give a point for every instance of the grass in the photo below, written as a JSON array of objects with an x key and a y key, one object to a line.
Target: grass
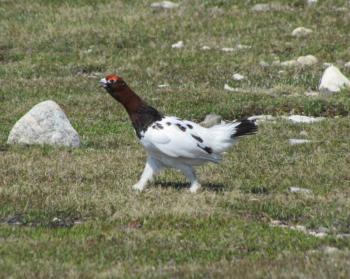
[{"x": 77, "y": 213}]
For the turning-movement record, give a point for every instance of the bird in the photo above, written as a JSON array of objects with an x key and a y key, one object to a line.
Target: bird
[{"x": 171, "y": 142}]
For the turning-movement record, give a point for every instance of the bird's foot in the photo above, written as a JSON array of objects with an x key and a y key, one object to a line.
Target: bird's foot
[
  {"x": 138, "y": 187},
  {"x": 195, "y": 186}
]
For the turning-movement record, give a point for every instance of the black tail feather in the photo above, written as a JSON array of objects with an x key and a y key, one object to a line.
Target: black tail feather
[{"x": 246, "y": 127}]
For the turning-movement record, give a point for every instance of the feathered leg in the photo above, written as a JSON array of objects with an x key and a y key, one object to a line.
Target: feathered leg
[
  {"x": 190, "y": 174},
  {"x": 152, "y": 167}
]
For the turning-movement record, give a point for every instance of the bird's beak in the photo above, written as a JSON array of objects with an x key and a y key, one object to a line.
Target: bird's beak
[{"x": 103, "y": 83}]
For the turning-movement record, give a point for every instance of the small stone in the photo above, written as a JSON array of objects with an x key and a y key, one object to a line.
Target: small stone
[
  {"x": 289, "y": 63},
  {"x": 333, "y": 80},
  {"x": 301, "y": 32},
  {"x": 179, "y": 44},
  {"x": 311, "y": 2},
  {"x": 238, "y": 77},
  {"x": 303, "y": 119},
  {"x": 263, "y": 63},
  {"x": 298, "y": 141},
  {"x": 45, "y": 123},
  {"x": 205, "y": 48},
  {"x": 229, "y": 88},
  {"x": 163, "y": 85},
  {"x": 347, "y": 65},
  {"x": 330, "y": 249},
  {"x": 326, "y": 65},
  {"x": 273, "y": 7},
  {"x": 261, "y": 118},
  {"x": 164, "y": 5},
  {"x": 299, "y": 190},
  {"x": 307, "y": 60},
  {"x": 227, "y": 49},
  {"x": 312, "y": 93},
  {"x": 211, "y": 120},
  {"x": 240, "y": 46},
  {"x": 261, "y": 8},
  {"x": 317, "y": 234}
]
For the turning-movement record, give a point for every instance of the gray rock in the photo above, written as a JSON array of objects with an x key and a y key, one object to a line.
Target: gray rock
[
  {"x": 301, "y": 32},
  {"x": 347, "y": 65},
  {"x": 311, "y": 2},
  {"x": 289, "y": 63},
  {"x": 164, "y": 5},
  {"x": 299, "y": 190},
  {"x": 229, "y": 88},
  {"x": 262, "y": 118},
  {"x": 179, "y": 44},
  {"x": 333, "y": 80},
  {"x": 238, "y": 77},
  {"x": 330, "y": 249},
  {"x": 298, "y": 141},
  {"x": 303, "y": 119},
  {"x": 307, "y": 60},
  {"x": 263, "y": 63},
  {"x": 211, "y": 120},
  {"x": 45, "y": 123},
  {"x": 271, "y": 7}
]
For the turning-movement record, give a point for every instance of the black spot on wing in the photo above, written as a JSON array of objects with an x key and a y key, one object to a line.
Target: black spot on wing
[
  {"x": 168, "y": 123},
  {"x": 182, "y": 128},
  {"x": 160, "y": 126},
  {"x": 205, "y": 148},
  {"x": 197, "y": 138},
  {"x": 189, "y": 126}
]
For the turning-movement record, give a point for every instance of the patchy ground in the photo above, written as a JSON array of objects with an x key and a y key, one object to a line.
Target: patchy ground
[{"x": 71, "y": 212}]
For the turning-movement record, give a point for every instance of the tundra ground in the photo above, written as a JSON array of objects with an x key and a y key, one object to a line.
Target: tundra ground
[{"x": 75, "y": 212}]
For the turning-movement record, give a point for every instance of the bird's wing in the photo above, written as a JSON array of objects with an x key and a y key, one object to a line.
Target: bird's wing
[{"x": 178, "y": 138}]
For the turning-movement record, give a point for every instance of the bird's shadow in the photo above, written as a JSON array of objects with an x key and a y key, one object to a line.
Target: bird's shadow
[{"x": 213, "y": 187}]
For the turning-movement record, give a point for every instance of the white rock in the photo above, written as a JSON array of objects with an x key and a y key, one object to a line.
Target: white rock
[
  {"x": 303, "y": 133},
  {"x": 330, "y": 249},
  {"x": 164, "y": 5},
  {"x": 317, "y": 234},
  {"x": 307, "y": 60},
  {"x": 311, "y": 2},
  {"x": 312, "y": 93},
  {"x": 240, "y": 46},
  {"x": 205, "y": 48},
  {"x": 238, "y": 77},
  {"x": 227, "y": 49},
  {"x": 229, "y": 88},
  {"x": 333, "y": 80},
  {"x": 347, "y": 65},
  {"x": 301, "y": 32},
  {"x": 299, "y": 190},
  {"x": 262, "y": 118},
  {"x": 304, "y": 119},
  {"x": 261, "y": 8},
  {"x": 289, "y": 63},
  {"x": 211, "y": 120},
  {"x": 298, "y": 141},
  {"x": 45, "y": 123},
  {"x": 163, "y": 85},
  {"x": 263, "y": 63},
  {"x": 179, "y": 44},
  {"x": 299, "y": 228},
  {"x": 269, "y": 7}
]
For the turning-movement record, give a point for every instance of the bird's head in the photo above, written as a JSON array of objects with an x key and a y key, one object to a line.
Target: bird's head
[{"x": 113, "y": 83}]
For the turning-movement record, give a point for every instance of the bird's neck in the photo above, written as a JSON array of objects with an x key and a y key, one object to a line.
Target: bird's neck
[
  {"x": 129, "y": 99},
  {"x": 141, "y": 114}
]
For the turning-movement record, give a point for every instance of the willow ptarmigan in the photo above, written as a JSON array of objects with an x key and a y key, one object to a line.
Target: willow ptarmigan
[{"x": 173, "y": 142}]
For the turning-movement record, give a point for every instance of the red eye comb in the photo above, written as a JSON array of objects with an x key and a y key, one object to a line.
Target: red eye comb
[{"x": 113, "y": 77}]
